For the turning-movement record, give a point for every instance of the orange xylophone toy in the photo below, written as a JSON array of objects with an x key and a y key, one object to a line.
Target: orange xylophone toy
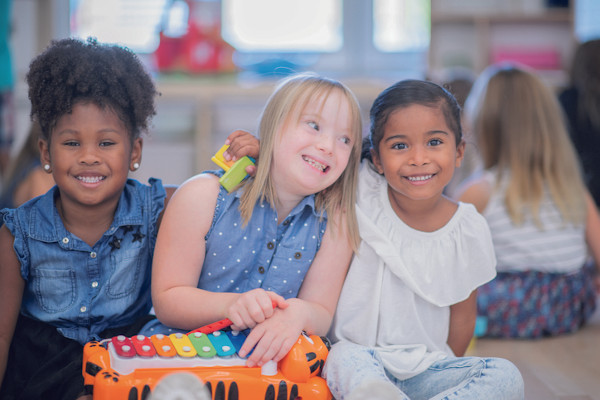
[{"x": 130, "y": 368}]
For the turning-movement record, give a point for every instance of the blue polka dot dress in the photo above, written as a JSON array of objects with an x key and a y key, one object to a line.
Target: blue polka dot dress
[{"x": 264, "y": 253}]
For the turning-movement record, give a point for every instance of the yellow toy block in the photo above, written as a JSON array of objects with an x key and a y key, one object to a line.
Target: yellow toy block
[
  {"x": 220, "y": 160},
  {"x": 235, "y": 172}
]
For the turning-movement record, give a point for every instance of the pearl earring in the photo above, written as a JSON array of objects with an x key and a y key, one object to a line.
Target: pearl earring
[
  {"x": 136, "y": 166},
  {"x": 47, "y": 167}
]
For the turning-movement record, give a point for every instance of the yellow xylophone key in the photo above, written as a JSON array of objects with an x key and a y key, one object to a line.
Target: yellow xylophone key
[{"x": 183, "y": 345}]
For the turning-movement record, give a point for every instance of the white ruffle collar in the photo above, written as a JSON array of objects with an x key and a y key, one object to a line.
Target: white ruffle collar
[{"x": 444, "y": 266}]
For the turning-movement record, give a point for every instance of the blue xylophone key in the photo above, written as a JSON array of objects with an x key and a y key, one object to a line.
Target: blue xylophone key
[
  {"x": 237, "y": 338},
  {"x": 222, "y": 344}
]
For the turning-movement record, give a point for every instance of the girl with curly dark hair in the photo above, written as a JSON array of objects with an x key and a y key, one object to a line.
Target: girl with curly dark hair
[{"x": 75, "y": 262}]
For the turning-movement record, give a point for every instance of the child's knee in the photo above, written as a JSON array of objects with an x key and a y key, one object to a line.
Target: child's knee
[
  {"x": 346, "y": 353},
  {"x": 509, "y": 376},
  {"x": 339, "y": 350},
  {"x": 355, "y": 372},
  {"x": 352, "y": 363}
]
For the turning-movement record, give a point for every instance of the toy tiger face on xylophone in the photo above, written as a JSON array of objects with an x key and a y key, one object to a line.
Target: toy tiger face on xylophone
[{"x": 130, "y": 368}]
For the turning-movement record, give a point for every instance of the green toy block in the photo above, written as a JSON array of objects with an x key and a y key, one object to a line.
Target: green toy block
[{"x": 236, "y": 174}]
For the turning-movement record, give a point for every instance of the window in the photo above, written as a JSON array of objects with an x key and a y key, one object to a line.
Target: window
[
  {"x": 382, "y": 38},
  {"x": 355, "y": 38},
  {"x": 401, "y": 25},
  {"x": 586, "y": 20},
  {"x": 283, "y": 25},
  {"x": 131, "y": 23}
]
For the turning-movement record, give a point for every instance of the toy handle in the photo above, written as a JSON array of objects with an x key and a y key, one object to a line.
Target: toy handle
[{"x": 217, "y": 326}]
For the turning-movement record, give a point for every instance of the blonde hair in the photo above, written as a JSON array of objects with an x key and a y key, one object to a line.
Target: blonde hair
[
  {"x": 289, "y": 98},
  {"x": 520, "y": 130}
]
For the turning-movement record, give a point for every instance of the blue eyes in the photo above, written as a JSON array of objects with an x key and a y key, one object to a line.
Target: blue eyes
[{"x": 315, "y": 126}]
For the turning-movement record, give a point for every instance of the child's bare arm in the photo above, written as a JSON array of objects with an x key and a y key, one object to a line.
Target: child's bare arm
[
  {"x": 323, "y": 283},
  {"x": 179, "y": 255},
  {"x": 314, "y": 308},
  {"x": 178, "y": 262},
  {"x": 476, "y": 192},
  {"x": 11, "y": 294},
  {"x": 462, "y": 324}
]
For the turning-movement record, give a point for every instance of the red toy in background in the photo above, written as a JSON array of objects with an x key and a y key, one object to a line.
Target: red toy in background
[{"x": 201, "y": 49}]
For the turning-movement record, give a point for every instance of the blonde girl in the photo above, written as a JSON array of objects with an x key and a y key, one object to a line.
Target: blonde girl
[{"x": 286, "y": 236}]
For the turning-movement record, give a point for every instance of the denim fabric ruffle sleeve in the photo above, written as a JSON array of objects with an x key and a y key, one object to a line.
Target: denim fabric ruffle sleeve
[
  {"x": 9, "y": 218},
  {"x": 83, "y": 289}
]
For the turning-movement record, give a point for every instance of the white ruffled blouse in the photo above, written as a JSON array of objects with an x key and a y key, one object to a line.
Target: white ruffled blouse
[{"x": 399, "y": 287}]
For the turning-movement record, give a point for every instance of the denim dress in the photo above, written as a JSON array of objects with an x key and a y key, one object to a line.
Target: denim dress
[{"x": 83, "y": 290}]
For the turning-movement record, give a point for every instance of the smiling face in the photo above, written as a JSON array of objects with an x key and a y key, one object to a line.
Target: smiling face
[
  {"x": 313, "y": 147},
  {"x": 417, "y": 154},
  {"x": 90, "y": 154}
]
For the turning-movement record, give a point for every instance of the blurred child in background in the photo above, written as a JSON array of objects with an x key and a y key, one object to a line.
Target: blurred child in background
[
  {"x": 542, "y": 218},
  {"x": 25, "y": 177},
  {"x": 581, "y": 103}
]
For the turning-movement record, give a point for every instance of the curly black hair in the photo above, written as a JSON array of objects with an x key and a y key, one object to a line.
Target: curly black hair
[{"x": 71, "y": 71}]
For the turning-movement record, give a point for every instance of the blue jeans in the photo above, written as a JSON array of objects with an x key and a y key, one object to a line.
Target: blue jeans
[{"x": 349, "y": 366}]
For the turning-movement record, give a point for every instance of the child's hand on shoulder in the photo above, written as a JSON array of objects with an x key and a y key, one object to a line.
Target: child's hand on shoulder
[
  {"x": 242, "y": 143},
  {"x": 253, "y": 307}
]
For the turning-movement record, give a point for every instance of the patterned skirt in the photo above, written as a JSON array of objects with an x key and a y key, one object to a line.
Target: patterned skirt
[{"x": 534, "y": 304}]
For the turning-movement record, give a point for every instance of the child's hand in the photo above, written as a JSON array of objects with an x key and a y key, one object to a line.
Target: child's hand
[
  {"x": 242, "y": 143},
  {"x": 273, "y": 338},
  {"x": 253, "y": 307}
]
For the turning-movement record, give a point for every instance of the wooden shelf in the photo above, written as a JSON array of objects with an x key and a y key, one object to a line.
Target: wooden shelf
[
  {"x": 470, "y": 40},
  {"x": 549, "y": 15},
  {"x": 221, "y": 105}
]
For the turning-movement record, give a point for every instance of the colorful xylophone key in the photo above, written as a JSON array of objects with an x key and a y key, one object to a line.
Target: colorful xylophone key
[{"x": 130, "y": 368}]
